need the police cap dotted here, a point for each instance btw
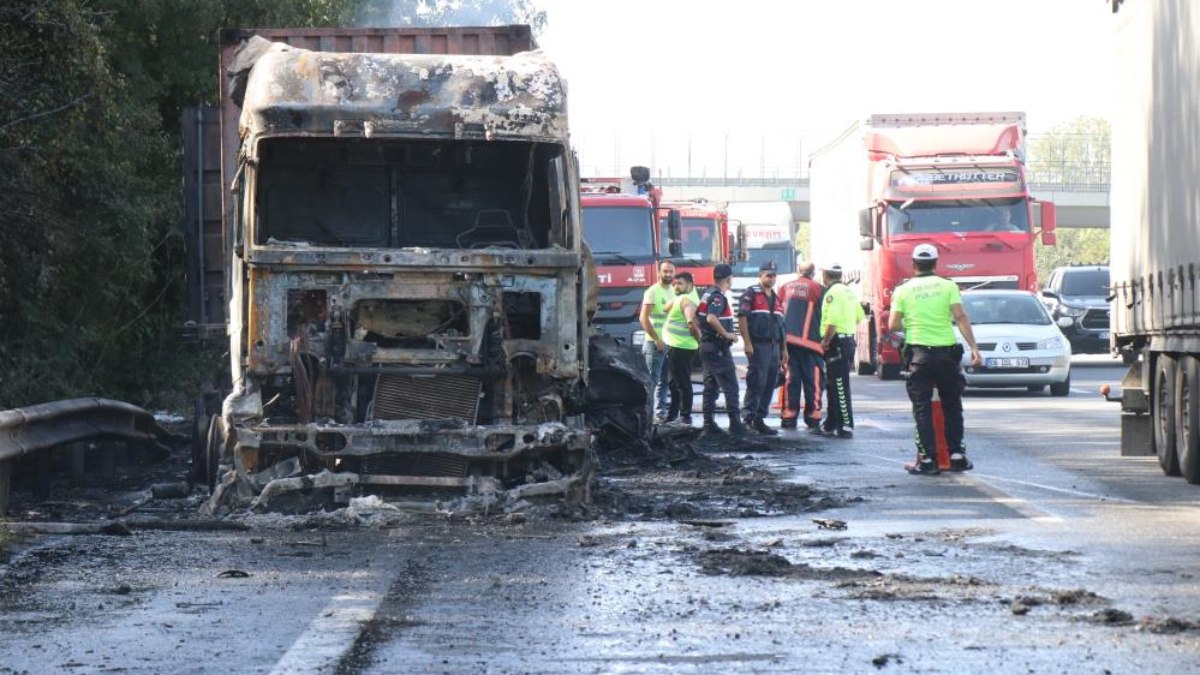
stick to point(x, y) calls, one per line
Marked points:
point(722, 271)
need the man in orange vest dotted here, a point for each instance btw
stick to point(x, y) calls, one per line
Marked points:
point(806, 361)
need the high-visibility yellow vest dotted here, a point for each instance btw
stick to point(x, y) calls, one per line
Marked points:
point(675, 331)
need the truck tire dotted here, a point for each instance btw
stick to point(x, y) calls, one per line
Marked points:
point(865, 368)
point(1162, 409)
point(1187, 417)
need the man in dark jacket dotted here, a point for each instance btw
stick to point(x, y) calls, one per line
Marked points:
point(760, 321)
point(715, 318)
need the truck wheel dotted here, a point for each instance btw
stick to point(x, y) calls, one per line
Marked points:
point(1187, 418)
point(865, 368)
point(1162, 406)
point(213, 447)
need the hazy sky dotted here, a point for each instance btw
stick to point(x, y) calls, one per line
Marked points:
point(779, 78)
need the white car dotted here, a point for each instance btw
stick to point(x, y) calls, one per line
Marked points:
point(1019, 344)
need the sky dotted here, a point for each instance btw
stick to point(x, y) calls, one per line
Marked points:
point(752, 86)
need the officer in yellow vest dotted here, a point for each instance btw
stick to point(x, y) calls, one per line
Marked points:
point(840, 314)
point(682, 336)
point(924, 307)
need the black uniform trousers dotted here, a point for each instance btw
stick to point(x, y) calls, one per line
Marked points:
point(762, 376)
point(838, 358)
point(936, 368)
point(679, 365)
point(806, 376)
point(720, 376)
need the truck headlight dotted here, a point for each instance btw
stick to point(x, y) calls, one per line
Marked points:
point(638, 338)
point(1051, 343)
point(1068, 310)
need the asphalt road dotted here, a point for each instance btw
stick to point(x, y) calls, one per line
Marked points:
point(1054, 555)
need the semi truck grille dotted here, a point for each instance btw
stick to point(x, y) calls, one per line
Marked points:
point(416, 464)
point(1095, 319)
point(426, 398)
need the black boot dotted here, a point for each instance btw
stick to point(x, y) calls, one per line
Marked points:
point(736, 428)
point(761, 427)
point(710, 428)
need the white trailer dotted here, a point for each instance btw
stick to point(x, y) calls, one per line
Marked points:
point(1155, 236)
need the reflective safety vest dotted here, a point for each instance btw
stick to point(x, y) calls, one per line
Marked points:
point(657, 297)
point(676, 332)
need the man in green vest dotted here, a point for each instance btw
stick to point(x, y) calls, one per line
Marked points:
point(682, 337)
point(654, 349)
point(924, 307)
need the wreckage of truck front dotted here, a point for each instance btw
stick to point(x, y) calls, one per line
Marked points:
point(409, 287)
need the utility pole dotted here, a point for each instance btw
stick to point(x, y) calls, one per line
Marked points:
point(726, 162)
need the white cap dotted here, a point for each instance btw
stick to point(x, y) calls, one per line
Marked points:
point(835, 268)
point(925, 252)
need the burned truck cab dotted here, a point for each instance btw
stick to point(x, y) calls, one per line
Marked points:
point(408, 296)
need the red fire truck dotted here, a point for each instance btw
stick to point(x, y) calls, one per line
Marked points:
point(956, 181)
point(621, 226)
point(704, 238)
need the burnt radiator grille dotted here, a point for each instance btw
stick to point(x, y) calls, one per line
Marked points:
point(426, 398)
point(416, 464)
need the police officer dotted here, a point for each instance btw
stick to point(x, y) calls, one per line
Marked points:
point(715, 318)
point(805, 359)
point(839, 319)
point(652, 316)
point(683, 342)
point(924, 306)
point(760, 322)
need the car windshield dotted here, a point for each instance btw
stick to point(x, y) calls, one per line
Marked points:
point(619, 230)
point(1021, 309)
point(958, 215)
point(1077, 283)
point(784, 258)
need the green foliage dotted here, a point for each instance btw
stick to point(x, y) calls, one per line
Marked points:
point(91, 260)
point(1074, 153)
point(1080, 246)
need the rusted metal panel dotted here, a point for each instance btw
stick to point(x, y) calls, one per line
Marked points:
point(47, 425)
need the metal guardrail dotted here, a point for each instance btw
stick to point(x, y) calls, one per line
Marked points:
point(24, 431)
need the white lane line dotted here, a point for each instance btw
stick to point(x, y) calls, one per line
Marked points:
point(330, 636)
point(1075, 390)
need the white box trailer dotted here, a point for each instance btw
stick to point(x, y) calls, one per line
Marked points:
point(1155, 236)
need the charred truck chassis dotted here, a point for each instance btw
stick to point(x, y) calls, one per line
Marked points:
point(408, 283)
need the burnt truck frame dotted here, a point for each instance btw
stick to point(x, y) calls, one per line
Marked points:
point(409, 290)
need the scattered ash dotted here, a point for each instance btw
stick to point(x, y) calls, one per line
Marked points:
point(748, 562)
point(1169, 625)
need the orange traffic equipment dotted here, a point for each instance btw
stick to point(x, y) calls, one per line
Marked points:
point(939, 434)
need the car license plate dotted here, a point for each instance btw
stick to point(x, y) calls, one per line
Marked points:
point(1007, 363)
point(1104, 335)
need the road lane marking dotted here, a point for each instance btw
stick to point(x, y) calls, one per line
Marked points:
point(330, 636)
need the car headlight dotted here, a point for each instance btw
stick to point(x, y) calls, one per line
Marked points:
point(1068, 310)
point(638, 338)
point(1052, 343)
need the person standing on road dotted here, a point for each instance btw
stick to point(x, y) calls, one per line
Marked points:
point(924, 306)
point(715, 317)
point(683, 343)
point(805, 359)
point(839, 319)
point(652, 316)
point(760, 321)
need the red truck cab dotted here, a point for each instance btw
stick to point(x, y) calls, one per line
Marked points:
point(620, 225)
point(704, 235)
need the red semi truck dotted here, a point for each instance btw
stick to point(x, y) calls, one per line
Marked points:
point(621, 227)
point(956, 181)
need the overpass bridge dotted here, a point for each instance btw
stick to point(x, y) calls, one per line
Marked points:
point(1078, 204)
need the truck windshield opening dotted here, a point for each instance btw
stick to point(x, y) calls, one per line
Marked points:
point(784, 258)
point(626, 231)
point(404, 193)
point(958, 215)
point(698, 240)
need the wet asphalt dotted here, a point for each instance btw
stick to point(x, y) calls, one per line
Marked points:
point(1055, 555)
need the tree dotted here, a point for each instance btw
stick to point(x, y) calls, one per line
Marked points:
point(1076, 155)
point(451, 13)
